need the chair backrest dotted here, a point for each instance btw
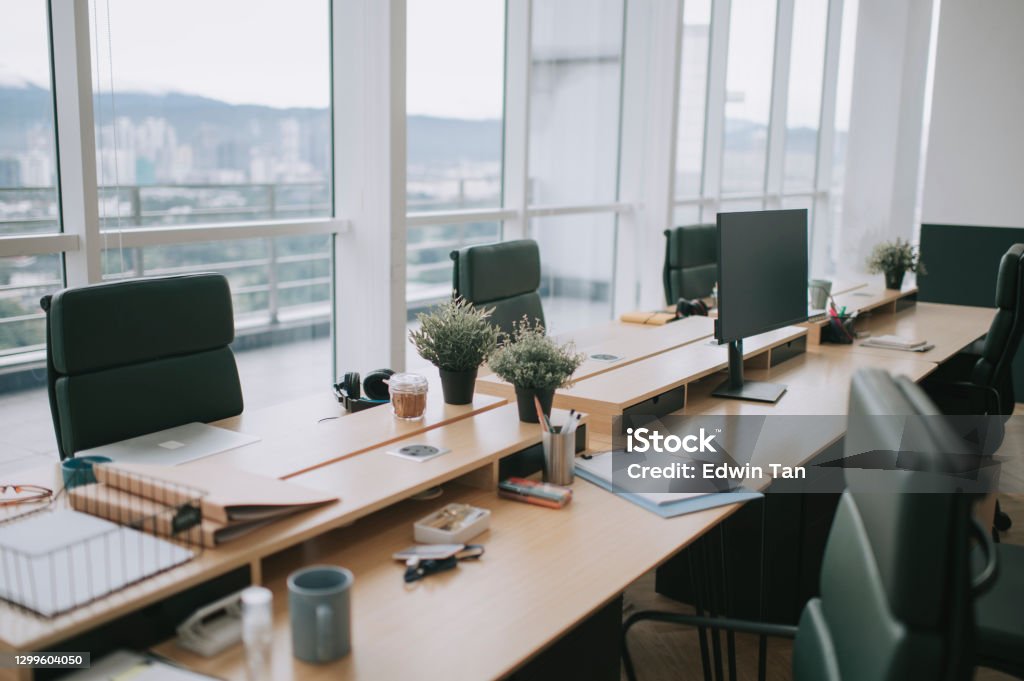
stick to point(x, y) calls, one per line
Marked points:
point(133, 357)
point(691, 262)
point(994, 368)
point(504, 276)
point(895, 583)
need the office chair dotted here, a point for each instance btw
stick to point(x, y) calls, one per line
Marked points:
point(896, 585)
point(691, 262)
point(133, 357)
point(504, 276)
point(980, 380)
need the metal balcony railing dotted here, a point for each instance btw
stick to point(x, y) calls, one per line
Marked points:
point(295, 300)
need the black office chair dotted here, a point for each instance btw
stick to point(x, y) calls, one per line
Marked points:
point(980, 379)
point(133, 357)
point(504, 276)
point(691, 262)
point(896, 584)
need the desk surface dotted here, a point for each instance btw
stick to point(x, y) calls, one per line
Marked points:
point(366, 483)
point(549, 580)
point(949, 327)
point(481, 620)
point(629, 342)
point(304, 434)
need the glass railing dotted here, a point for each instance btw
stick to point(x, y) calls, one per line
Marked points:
point(279, 282)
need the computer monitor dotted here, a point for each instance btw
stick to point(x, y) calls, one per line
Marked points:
point(762, 285)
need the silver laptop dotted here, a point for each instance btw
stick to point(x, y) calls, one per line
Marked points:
point(173, 446)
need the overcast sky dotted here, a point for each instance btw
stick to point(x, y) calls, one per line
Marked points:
point(276, 53)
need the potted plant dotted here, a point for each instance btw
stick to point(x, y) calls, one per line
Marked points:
point(536, 365)
point(456, 338)
point(894, 259)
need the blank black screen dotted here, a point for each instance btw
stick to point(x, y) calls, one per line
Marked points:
point(762, 272)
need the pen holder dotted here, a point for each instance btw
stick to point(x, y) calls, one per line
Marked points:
point(838, 330)
point(559, 456)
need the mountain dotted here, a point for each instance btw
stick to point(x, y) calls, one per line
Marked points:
point(201, 121)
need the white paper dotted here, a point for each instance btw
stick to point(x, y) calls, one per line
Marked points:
point(53, 561)
point(173, 446)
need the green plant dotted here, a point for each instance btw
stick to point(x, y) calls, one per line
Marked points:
point(530, 359)
point(455, 336)
point(895, 257)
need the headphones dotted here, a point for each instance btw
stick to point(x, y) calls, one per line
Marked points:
point(691, 308)
point(374, 387)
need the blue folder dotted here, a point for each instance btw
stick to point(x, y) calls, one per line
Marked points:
point(674, 508)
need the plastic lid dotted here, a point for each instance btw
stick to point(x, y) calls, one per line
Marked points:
point(407, 383)
point(255, 597)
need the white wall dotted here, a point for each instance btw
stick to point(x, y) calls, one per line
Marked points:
point(975, 162)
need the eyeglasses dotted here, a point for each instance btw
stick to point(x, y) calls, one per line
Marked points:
point(31, 492)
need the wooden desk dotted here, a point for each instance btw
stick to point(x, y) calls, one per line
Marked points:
point(630, 342)
point(545, 571)
point(365, 483)
point(549, 581)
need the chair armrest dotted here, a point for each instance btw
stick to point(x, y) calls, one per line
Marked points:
point(969, 397)
point(726, 623)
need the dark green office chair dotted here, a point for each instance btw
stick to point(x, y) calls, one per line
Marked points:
point(504, 276)
point(133, 357)
point(691, 262)
point(979, 380)
point(896, 584)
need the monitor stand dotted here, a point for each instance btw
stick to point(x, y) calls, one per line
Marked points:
point(737, 389)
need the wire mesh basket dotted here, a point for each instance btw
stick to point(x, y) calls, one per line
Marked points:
point(107, 530)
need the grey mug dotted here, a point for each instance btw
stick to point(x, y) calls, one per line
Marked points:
point(320, 610)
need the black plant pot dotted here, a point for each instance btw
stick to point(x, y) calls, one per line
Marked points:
point(458, 386)
point(527, 409)
point(894, 280)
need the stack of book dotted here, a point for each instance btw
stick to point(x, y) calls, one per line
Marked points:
point(232, 502)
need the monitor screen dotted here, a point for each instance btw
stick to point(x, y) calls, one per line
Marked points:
point(762, 272)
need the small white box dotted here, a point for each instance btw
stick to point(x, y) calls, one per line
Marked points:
point(453, 524)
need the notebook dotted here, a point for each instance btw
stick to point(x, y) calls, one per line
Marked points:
point(173, 446)
point(892, 342)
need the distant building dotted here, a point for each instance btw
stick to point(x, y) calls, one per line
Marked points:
point(10, 172)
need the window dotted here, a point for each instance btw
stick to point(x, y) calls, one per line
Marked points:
point(281, 294)
point(693, 79)
point(577, 255)
point(28, 160)
point(748, 95)
point(576, 59)
point(803, 109)
point(454, 94)
point(235, 128)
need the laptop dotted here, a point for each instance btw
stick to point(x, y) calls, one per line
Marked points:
point(173, 446)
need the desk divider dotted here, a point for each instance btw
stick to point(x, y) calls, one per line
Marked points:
point(285, 453)
point(661, 380)
point(629, 342)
